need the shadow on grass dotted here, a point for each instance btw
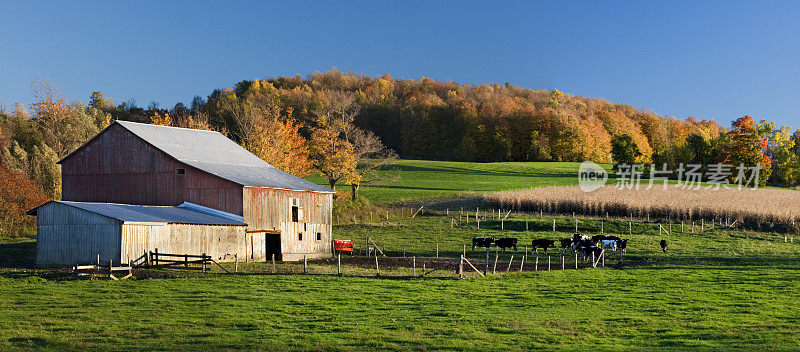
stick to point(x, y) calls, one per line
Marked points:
point(18, 255)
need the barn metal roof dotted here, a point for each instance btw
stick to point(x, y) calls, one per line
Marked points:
point(186, 213)
point(216, 154)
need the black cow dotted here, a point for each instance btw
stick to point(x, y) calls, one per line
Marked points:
point(482, 242)
point(664, 246)
point(541, 243)
point(586, 252)
point(622, 245)
point(598, 238)
point(566, 243)
point(506, 242)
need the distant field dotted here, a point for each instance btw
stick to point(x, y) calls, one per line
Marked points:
point(421, 179)
point(742, 205)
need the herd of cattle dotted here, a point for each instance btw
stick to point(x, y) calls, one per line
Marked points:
point(582, 244)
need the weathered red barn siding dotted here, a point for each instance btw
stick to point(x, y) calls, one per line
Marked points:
point(119, 167)
point(271, 209)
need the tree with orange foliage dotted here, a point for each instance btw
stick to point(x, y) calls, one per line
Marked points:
point(746, 148)
point(18, 194)
point(161, 119)
point(277, 140)
point(333, 156)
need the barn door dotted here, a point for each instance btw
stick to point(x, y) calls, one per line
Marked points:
point(272, 245)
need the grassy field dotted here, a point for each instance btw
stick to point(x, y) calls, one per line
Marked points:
point(719, 289)
point(421, 179)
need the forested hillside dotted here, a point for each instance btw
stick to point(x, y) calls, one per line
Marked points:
point(345, 126)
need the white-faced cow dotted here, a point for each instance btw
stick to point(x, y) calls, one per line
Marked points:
point(579, 240)
point(541, 243)
point(482, 242)
point(506, 242)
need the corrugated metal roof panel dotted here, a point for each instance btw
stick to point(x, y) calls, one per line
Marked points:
point(214, 153)
point(186, 213)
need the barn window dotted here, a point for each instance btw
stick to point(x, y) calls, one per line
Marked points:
point(181, 171)
point(295, 209)
point(319, 236)
point(299, 236)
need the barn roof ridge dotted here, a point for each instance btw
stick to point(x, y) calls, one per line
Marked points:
point(186, 213)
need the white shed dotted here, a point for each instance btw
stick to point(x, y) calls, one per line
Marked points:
point(77, 232)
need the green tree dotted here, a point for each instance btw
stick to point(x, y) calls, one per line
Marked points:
point(624, 150)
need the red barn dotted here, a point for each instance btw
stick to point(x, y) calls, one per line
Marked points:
point(142, 164)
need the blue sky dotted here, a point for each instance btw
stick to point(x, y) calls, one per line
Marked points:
point(712, 60)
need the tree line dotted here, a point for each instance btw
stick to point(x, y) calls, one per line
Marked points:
point(346, 126)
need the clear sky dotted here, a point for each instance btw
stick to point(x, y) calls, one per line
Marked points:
point(712, 60)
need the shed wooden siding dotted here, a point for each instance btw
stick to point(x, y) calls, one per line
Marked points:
point(270, 209)
point(219, 242)
point(68, 235)
point(119, 167)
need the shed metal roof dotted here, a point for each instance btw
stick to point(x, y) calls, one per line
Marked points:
point(216, 154)
point(186, 213)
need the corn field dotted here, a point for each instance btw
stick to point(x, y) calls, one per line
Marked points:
point(751, 206)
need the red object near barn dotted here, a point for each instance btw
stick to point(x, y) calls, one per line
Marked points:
point(343, 246)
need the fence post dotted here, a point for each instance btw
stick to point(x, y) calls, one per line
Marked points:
point(495, 262)
point(576, 223)
point(509, 263)
point(629, 228)
point(526, 225)
point(414, 265)
point(273, 263)
point(554, 225)
point(521, 263)
point(562, 261)
point(339, 264)
point(437, 249)
point(236, 263)
point(460, 269)
point(486, 267)
point(535, 265)
point(305, 263)
point(548, 262)
point(377, 269)
point(185, 260)
point(404, 249)
point(576, 260)
point(593, 264)
point(204, 262)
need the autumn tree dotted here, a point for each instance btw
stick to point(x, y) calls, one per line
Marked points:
point(746, 147)
point(276, 139)
point(332, 155)
point(18, 194)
